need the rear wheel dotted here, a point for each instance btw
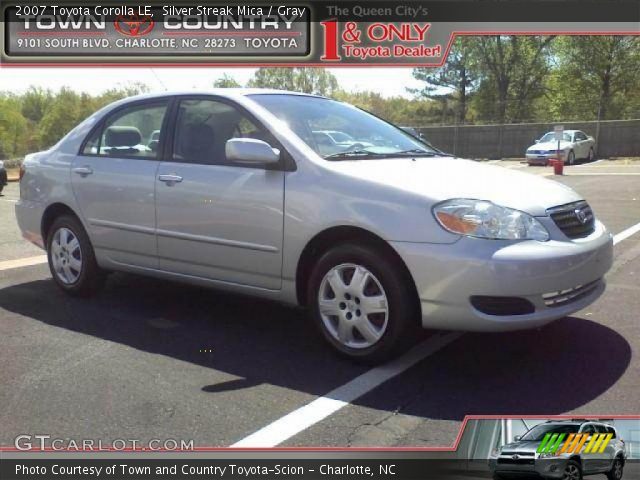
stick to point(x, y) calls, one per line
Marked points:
point(71, 258)
point(617, 470)
point(362, 303)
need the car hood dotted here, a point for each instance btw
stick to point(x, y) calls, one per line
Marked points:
point(443, 178)
point(522, 446)
point(549, 146)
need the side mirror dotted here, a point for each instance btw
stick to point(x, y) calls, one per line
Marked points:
point(517, 438)
point(537, 140)
point(250, 151)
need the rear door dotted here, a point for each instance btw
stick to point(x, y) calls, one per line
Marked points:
point(218, 220)
point(582, 145)
point(114, 182)
point(589, 461)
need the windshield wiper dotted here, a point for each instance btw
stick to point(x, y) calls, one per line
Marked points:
point(419, 151)
point(357, 153)
point(353, 153)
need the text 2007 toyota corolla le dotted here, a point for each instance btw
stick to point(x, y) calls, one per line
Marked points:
point(373, 230)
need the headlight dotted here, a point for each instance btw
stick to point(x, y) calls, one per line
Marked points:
point(1, 164)
point(483, 219)
point(547, 455)
point(496, 452)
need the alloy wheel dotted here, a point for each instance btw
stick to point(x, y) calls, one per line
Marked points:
point(572, 472)
point(66, 256)
point(353, 306)
point(617, 470)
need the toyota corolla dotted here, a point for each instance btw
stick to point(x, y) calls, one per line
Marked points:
point(231, 189)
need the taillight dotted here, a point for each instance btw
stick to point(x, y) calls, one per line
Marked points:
point(22, 171)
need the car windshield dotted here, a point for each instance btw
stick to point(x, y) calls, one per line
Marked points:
point(338, 131)
point(551, 137)
point(537, 433)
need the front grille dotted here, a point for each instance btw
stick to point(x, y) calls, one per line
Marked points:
point(563, 297)
point(502, 306)
point(576, 220)
point(516, 461)
point(521, 454)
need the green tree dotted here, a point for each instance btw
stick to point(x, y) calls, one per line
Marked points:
point(226, 81)
point(512, 70)
point(35, 102)
point(13, 128)
point(60, 117)
point(451, 84)
point(596, 77)
point(306, 80)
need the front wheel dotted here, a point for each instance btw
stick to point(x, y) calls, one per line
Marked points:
point(571, 158)
point(71, 258)
point(572, 471)
point(362, 303)
point(592, 155)
point(616, 470)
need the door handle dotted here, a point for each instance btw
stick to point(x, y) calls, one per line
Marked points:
point(170, 180)
point(83, 171)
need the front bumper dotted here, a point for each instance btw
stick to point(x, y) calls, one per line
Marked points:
point(552, 467)
point(447, 276)
point(543, 158)
point(3, 177)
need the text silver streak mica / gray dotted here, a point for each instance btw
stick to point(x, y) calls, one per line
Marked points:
point(242, 190)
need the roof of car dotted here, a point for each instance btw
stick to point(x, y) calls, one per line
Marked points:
point(223, 92)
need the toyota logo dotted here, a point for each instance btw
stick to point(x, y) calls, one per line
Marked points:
point(515, 457)
point(581, 215)
point(134, 25)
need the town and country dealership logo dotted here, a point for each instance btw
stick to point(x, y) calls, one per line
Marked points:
point(574, 443)
point(134, 25)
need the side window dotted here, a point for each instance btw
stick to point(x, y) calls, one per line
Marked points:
point(588, 429)
point(131, 132)
point(580, 136)
point(601, 429)
point(203, 128)
point(612, 431)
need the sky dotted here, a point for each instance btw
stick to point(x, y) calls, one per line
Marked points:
point(388, 82)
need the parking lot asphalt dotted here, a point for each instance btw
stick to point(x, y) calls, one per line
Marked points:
point(148, 359)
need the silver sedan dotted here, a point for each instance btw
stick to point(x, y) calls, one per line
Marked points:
point(232, 189)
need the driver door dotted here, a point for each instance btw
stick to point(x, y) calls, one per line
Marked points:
point(218, 220)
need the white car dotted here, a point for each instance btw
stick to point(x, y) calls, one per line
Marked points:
point(575, 144)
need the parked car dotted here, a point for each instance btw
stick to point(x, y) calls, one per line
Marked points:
point(375, 241)
point(3, 176)
point(523, 456)
point(574, 145)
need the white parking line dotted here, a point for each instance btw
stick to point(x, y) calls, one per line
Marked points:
point(23, 262)
point(626, 233)
point(319, 409)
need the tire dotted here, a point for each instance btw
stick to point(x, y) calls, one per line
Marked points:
point(592, 156)
point(72, 261)
point(1, 188)
point(572, 471)
point(571, 158)
point(384, 291)
point(617, 470)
